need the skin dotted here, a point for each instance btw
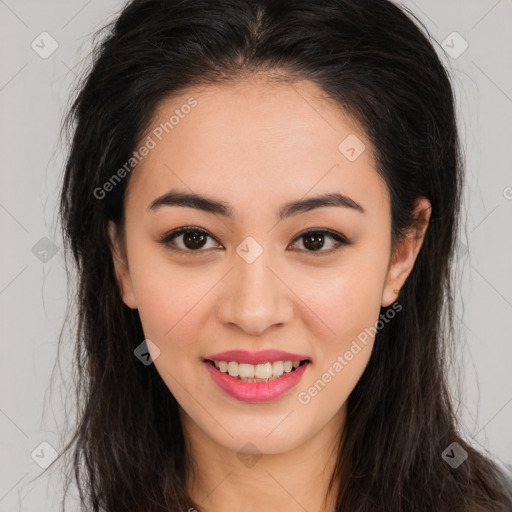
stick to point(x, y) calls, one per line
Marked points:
point(256, 145)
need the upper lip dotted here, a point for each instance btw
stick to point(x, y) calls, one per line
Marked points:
point(263, 356)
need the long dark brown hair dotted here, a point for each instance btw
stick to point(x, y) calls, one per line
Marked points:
point(379, 64)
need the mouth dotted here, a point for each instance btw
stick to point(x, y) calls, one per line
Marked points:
point(256, 383)
point(262, 372)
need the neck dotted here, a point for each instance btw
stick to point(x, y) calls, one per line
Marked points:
point(291, 481)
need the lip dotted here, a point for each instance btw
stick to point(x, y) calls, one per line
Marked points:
point(255, 392)
point(263, 356)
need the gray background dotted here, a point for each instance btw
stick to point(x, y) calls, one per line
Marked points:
point(34, 92)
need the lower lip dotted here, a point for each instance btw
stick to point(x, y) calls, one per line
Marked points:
point(255, 392)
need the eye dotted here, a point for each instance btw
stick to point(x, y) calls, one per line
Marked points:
point(314, 240)
point(192, 239)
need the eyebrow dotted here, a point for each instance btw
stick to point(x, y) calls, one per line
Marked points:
point(199, 202)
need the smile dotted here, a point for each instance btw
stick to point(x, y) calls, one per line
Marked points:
point(263, 372)
point(256, 383)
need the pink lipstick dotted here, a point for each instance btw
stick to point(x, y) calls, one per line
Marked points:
point(263, 390)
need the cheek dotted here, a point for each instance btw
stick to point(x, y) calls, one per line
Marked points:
point(342, 302)
point(349, 306)
point(169, 306)
point(167, 296)
point(346, 303)
point(170, 312)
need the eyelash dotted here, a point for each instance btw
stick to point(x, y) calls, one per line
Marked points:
point(340, 239)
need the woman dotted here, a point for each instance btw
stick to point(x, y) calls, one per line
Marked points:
point(262, 200)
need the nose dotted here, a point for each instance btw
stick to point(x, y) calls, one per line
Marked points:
point(255, 297)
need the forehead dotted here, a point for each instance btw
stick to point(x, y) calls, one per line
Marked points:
point(255, 138)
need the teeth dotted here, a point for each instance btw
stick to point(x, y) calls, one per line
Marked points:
point(246, 370)
point(233, 369)
point(277, 368)
point(262, 371)
point(253, 372)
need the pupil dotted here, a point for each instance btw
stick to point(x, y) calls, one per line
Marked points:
point(317, 241)
point(193, 239)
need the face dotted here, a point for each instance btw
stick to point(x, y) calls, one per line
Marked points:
point(255, 272)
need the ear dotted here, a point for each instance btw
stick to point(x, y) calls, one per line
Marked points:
point(404, 256)
point(121, 267)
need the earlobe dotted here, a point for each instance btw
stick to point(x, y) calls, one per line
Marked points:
point(406, 252)
point(121, 268)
